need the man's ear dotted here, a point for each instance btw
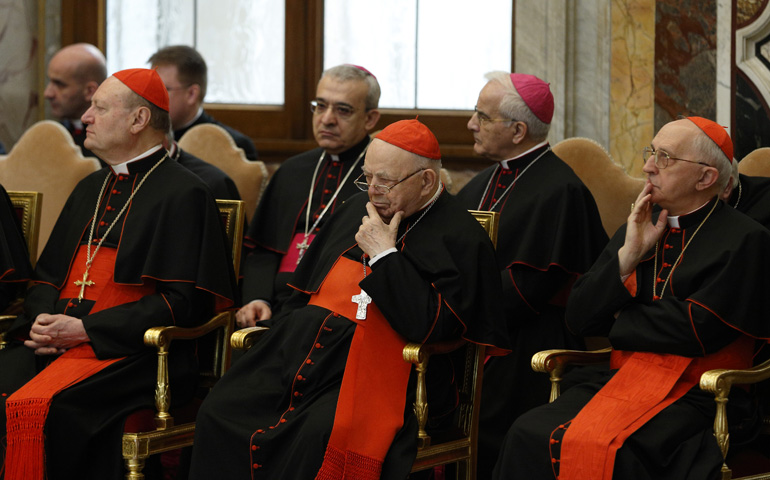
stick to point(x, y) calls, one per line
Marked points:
point(193, 95)
point(141, 119)
point(372, 117)
point(708, 177)
point(520, 132)
point(429, 178)
point(89, 89)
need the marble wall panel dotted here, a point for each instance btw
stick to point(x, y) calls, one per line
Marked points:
point(685, 59)
point(19, 49)
point(632, 80)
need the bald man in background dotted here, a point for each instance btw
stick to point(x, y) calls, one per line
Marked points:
point(74, 74)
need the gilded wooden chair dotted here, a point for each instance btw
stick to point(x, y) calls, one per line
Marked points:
point(28, 206)
point(46, 160)
point(459, 446)
point(164, 432)
point(213, 144)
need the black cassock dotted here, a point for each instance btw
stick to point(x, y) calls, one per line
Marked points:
point(752, 197)
point(221, 185)
point(171, 234)
point(15, 269)
point(550, 233)
point(718, 290)
point(272, 413)
point(281, 213)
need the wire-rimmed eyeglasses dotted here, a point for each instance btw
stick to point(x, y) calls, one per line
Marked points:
point(662, 159)
point(485, 119)
point(340, 109)
point(382, 189)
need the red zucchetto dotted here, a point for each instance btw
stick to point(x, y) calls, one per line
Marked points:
point(147, 84)
point(717, 133)
point(412, 136)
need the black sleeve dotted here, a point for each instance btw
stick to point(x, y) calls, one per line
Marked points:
point(410, 303)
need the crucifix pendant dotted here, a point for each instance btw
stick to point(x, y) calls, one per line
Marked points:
point(83, 284)
point(362, 299)
point(302, 247)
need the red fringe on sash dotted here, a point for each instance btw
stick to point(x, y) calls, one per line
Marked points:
point(27, 409)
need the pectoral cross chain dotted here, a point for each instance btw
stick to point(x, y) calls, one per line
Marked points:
point(85, 282)
point(362, 299)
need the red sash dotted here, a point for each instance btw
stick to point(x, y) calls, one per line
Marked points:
point(27, 409)
point(645, 384)
point(370, 408)
point(290, 260)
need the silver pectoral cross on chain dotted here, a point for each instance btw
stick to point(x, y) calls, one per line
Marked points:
point(362, 299)
point(302, 247)
point(85, 282)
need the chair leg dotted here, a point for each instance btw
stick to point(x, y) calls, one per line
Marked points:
point(135, 467)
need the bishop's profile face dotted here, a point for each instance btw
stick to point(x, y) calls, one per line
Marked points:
point(491, 139)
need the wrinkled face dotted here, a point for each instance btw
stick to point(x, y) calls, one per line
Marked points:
point(674, 185)
point(182, 99)
point(492, 140)
point(334, 130)
point(386, 164)
point(68, 96)
point(108, 120)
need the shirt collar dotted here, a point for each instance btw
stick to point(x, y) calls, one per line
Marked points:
point(540, 145)
point(122, 168)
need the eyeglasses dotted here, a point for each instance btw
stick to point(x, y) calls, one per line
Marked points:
point(485, 119)
point(382, 189)
point(662, 159)
point(340, 110)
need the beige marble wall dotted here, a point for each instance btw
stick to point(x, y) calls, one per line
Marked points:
point(632, 105)
point(19, 48)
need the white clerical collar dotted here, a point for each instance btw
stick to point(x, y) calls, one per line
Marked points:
point(335, 157)
point(673, 221)
point(435, 196)
point(122, 168)
point(504, 163)
point(194, 119)
point(76, 123)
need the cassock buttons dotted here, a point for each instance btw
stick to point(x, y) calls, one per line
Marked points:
point(256, 466)
point(115, 191)
point(254, 447)
point(283, 420)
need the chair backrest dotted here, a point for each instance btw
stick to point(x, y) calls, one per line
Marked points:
point(233, 213)
point(612, 188)
point(28, 206)
point(214, 145)
point(756, 163)
point(46, 160)
point(469, 387)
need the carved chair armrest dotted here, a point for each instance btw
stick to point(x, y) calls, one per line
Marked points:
point(555, 362)
point(719, 382)
point(161, 338)
point(419, 354)
point(5, 324)
point(245, 338)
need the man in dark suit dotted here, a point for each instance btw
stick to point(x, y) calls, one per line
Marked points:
point(184, 72)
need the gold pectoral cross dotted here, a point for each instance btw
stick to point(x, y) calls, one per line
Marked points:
point(83, 284)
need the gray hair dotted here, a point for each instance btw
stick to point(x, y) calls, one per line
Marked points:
point(709, 152)
point(513, 106)
point(347, 72)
